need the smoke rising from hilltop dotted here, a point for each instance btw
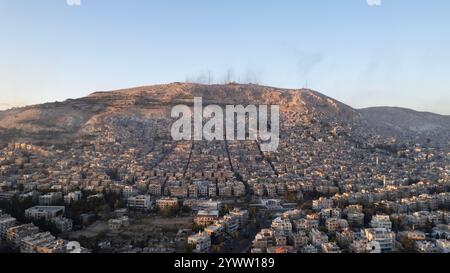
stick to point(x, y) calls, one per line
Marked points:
point(228, 76)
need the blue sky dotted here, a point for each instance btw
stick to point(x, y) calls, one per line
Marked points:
point(395, 54)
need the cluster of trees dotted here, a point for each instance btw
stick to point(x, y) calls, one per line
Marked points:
point(16, 207)
point(100, 206)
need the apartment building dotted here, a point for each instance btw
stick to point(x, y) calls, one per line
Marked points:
point(140, 202)
point(6, 222)
point(17, 233)
point(167, 203)
point(44, 212)
point(282, 225)
point(381, 221)
point(50, 198)
point(30, 243)
point(383, 236)
point(63, 224)
point(206, 217)
point(201, 242)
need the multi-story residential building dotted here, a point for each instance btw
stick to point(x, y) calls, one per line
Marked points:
point(167, 203)
point(56, 246)
point(443, 246)
point(239, 189)
point(206, 217)
point(263, 239)
point(282, 225)
point(6, 221)
point(298, 239)
point(242, 216)
point(50, 198)
point(317, 238)
point(332, 224)
point(231, 223)
point(345, 237)
point(383, 236)
point(17, 233)
point(63, 224)
point(281, 249)
point(193, 191)
point(140, 202)
point(212, 190)
point(155, 189)
point(209, 205)
point(355, 219)
point(118, 223)
point(426, 247)
point(364, 246)
point(381, 221)
point(215, 229)
point(30, 243)
point(73, 197)
point(322, 203)
point(330, 248)
point(44, 212)
point(201, 242)
point(202, 187)
point(309, 249)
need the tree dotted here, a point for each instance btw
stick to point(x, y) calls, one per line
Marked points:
point(408, 245)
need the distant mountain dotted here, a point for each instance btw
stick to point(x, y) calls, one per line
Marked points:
point(407, 124)
point(4, 106)
point(142, 107)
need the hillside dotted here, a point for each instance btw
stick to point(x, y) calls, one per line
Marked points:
point(143, 106)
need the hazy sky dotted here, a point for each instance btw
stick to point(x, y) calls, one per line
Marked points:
point(389, 52)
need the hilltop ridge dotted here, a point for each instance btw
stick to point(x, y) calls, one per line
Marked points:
point(73, 118)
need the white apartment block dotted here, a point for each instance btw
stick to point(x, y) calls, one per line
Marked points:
point(63, 224)
point(50, 198)
point(118, 223)
point(381, 221)
point(317, 238)
point(167, 202)
point(44, 212)
point(141, 202)
point(30, 243)
point(17, 233)
point(443, 246)
point(6, 221)
point(201, 242)
point(383, 236)
point(73, 197)
point(322, 203)
point(282, 225)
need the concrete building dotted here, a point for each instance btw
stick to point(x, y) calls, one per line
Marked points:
point(282, 225)
point(6, 221)
point(381, 221)
point(119, 223)
point(231, 223)
point(167, 203)
point(50, 198)
point(443, 246)
point(330, 248)
point(201, 242)
point(29, 244)
point(63, 224)
point(141, 202)
point(44, 212)
point(73, 197)
point(242, 216)
point(17, 233)
point(206, 217)
point(383, 236)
